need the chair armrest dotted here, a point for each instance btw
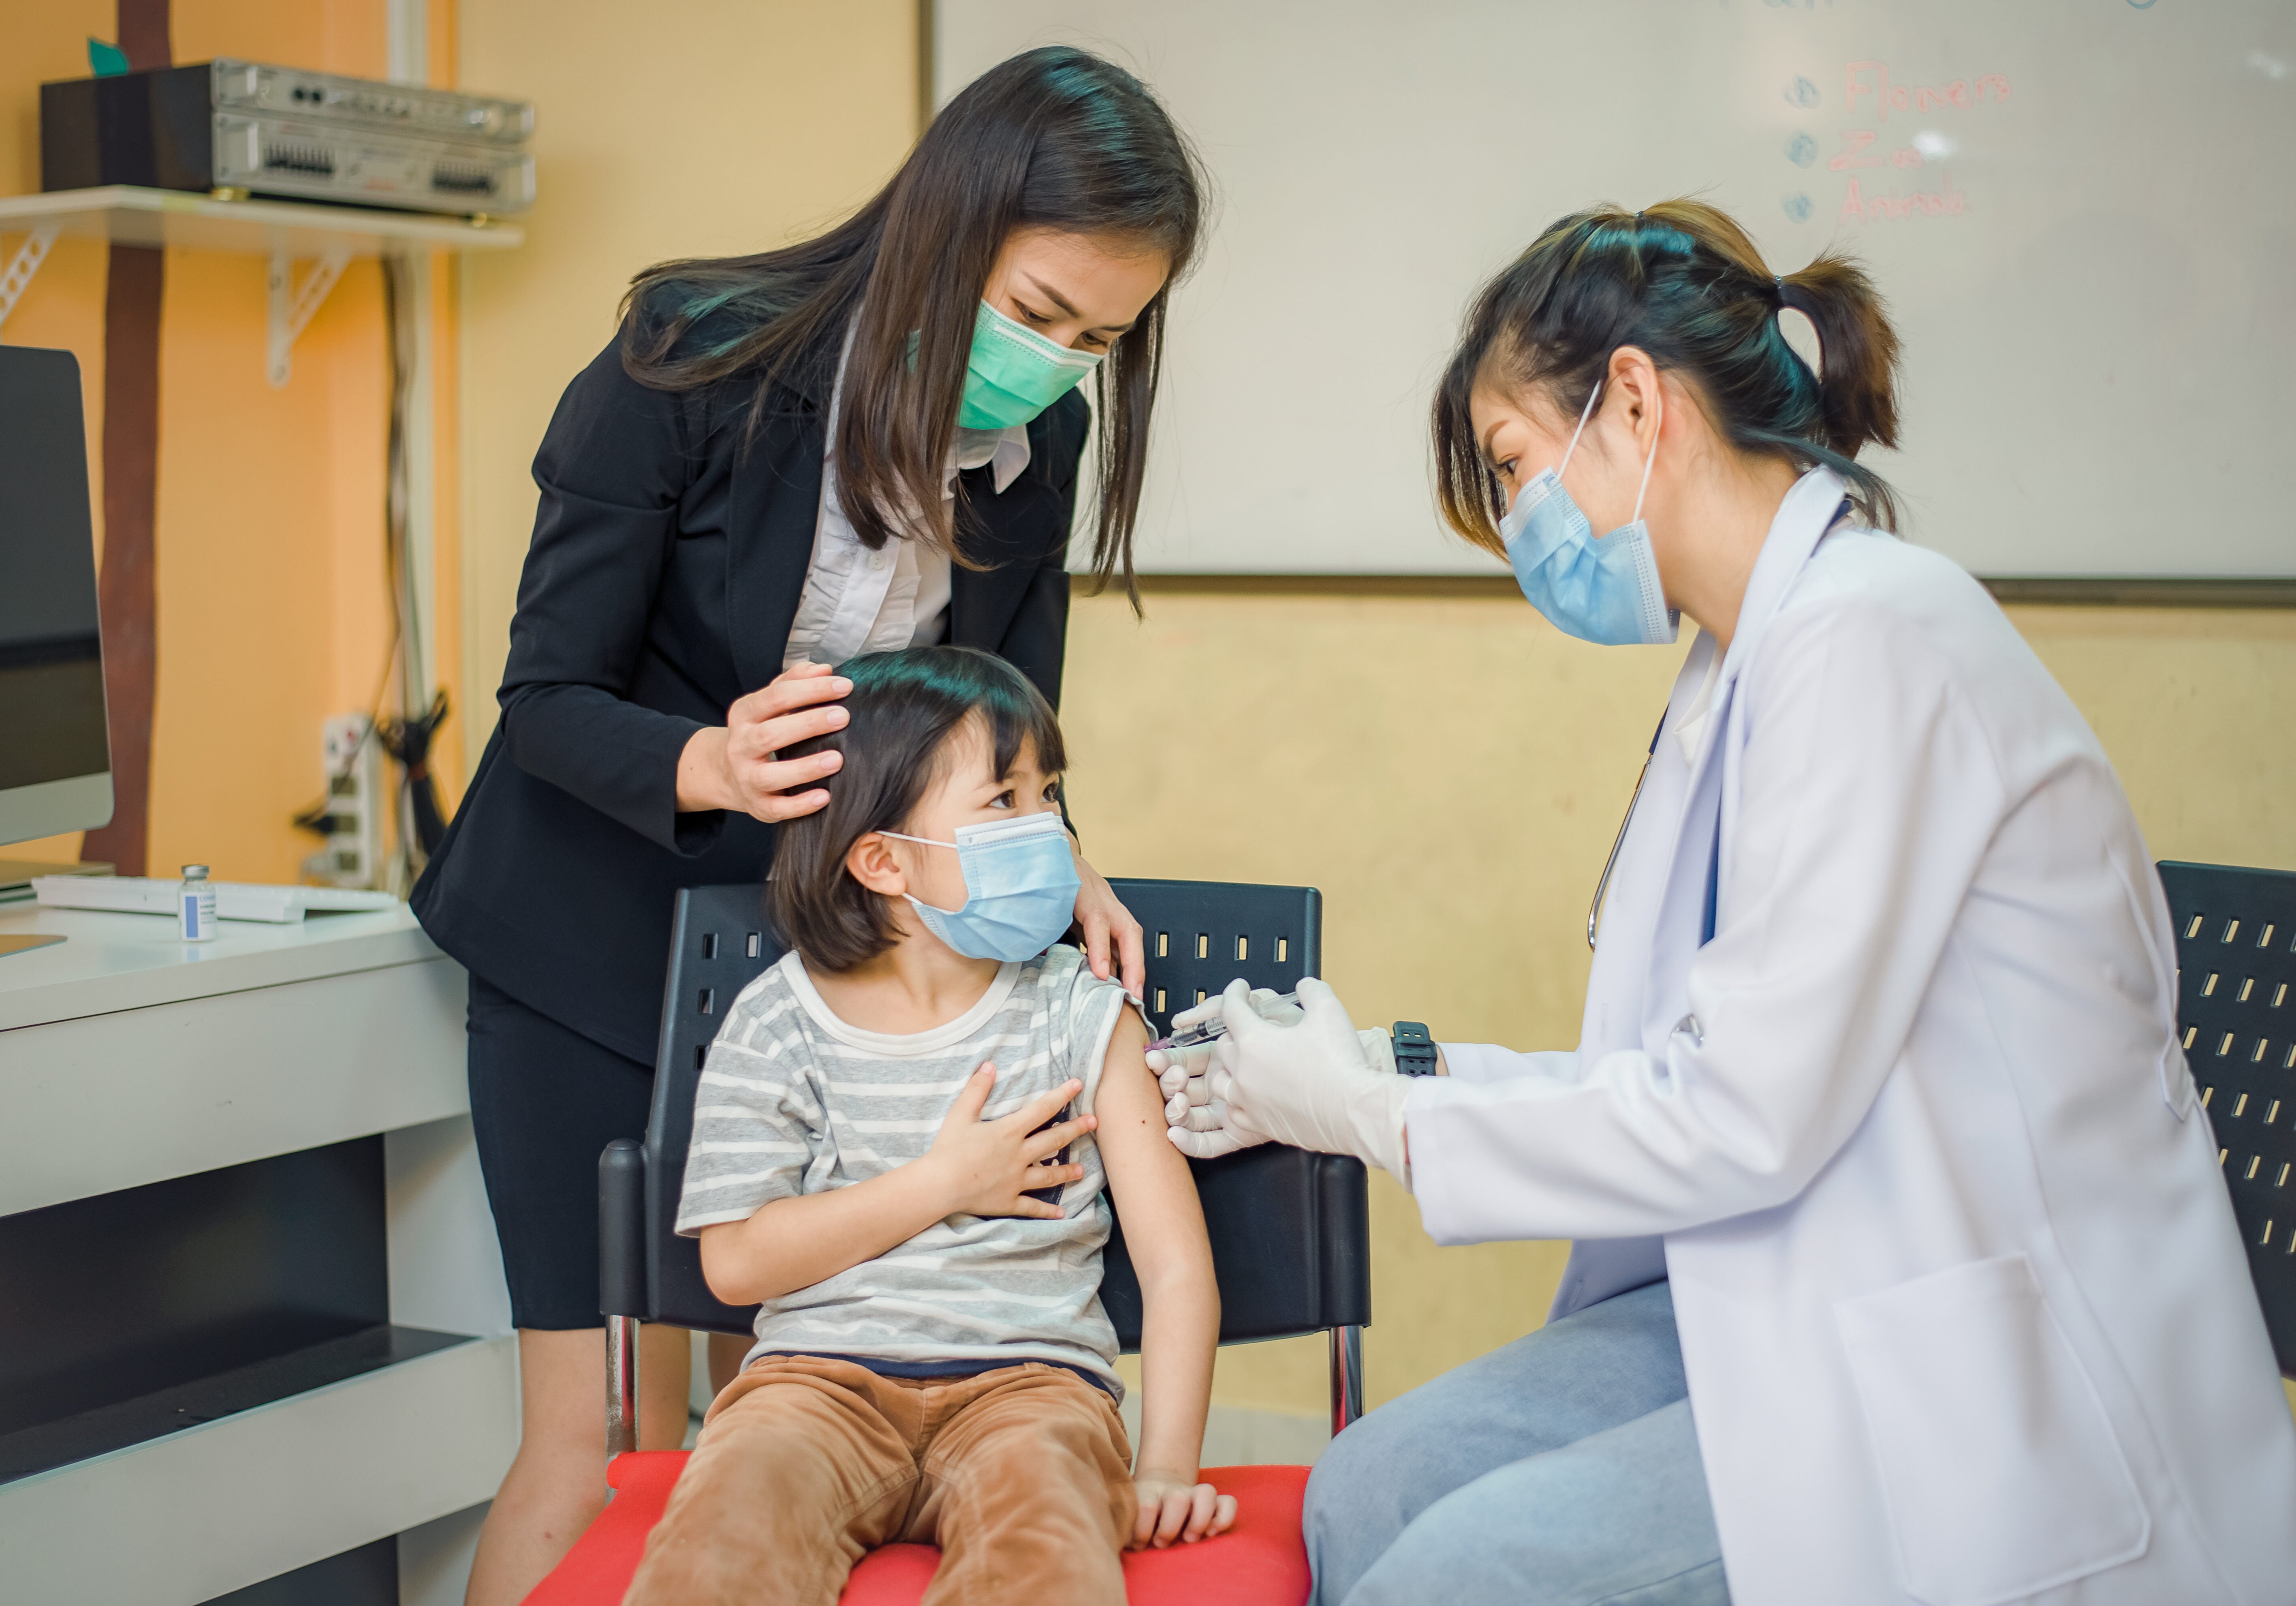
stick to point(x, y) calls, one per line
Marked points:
point(621, 1229)
point(1291, 1239)
point(1343, 1200)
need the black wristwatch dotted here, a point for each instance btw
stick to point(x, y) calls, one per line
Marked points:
point(1414, 1050)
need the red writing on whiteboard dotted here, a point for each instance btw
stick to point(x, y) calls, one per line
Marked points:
point(1871, 79)
point(1946, 202)
point(1857, 151)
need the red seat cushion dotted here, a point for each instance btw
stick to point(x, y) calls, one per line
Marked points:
point(1259, 1561)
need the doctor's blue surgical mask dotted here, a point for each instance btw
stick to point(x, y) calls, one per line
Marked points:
point(1605, 590)
point(1021, 888)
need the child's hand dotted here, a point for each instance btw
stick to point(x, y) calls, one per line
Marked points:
point(1174, 1507)
point(988, 1166)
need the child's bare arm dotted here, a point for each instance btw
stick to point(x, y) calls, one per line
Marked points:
point(1164, 1230)
point(977, 1168)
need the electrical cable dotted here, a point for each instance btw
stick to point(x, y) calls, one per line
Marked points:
point(421, 822)
point(408, 741)
point(408, 738)
point(319, 818)
point(411, 851)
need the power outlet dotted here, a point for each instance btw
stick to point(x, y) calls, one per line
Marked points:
point(353, 856)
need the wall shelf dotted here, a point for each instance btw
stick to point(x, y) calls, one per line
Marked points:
point(128, 215)
point(280, 230)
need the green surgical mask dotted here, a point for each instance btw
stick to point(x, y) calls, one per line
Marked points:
point(1014, 373)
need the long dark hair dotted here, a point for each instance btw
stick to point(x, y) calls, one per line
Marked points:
point(1055, 138)
point(905, 707)
point(1682, 282)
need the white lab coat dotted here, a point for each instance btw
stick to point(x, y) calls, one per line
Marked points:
point(1964, 1310)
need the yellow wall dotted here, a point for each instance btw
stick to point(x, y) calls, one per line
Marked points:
point(272, 606)
point(1451, 771)
point(712, 128)
point(63, 309)
point(1447, 768)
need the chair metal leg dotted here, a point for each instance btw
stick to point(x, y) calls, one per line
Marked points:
point(621, 1385)
point(1347, 1376)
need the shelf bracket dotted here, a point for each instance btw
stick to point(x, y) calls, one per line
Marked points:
point(27, 262)
point(292, 305)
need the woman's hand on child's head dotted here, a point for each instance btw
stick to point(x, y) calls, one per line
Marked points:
point(798, 704)
point(989, 1167)
point(1173, 1507)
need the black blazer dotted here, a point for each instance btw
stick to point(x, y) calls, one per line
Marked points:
point(664, 571)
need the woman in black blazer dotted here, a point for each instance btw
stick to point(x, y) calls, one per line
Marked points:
point(682, 542)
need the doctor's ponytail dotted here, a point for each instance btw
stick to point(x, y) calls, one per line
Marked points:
point(1681, 282)
point(1858, 351)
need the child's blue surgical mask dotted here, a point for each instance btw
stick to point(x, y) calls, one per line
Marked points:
point(1605, 591)
point(1021, 888)
point(1013, 372)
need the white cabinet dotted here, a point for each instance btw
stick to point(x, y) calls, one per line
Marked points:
point(256, 1150)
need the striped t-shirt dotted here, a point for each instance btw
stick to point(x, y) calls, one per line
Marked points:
point(795, 1100)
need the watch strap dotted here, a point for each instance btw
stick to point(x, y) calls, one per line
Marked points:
point(1415, 1049)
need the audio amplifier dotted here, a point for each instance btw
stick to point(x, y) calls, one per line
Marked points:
point(236, 125)
point(256, 89)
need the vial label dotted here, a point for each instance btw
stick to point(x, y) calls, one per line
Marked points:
point(198, 917)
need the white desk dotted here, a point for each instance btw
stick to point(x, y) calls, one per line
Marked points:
point(128, 1058)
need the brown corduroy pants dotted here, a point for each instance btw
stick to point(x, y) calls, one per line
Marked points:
point(1020, 1475)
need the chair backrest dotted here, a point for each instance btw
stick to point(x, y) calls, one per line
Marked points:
point(2237, 1005)
point(1289, 1230)
point(719, 943)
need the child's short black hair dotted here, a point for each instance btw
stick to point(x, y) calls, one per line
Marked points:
point(904, 708)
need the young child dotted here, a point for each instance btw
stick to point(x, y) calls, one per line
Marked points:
point(900, 1143)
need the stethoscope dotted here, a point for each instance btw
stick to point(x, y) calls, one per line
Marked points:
point(1713, 858)
point(1594, 910)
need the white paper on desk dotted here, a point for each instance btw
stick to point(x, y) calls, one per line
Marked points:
point(234, 900)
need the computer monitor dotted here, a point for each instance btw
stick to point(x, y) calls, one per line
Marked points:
point(55, 752)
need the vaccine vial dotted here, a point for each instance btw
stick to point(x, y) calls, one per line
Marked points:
point(195, 905)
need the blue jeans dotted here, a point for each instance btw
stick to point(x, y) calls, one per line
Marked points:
point(1560, 1471)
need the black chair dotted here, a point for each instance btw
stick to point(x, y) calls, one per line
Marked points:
point(2236, 1003)
point(1289, 1230)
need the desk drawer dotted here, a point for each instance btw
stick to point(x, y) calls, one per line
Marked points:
point(110, 1102)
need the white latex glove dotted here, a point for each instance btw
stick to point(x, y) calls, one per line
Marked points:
point(1311, 1085)
point(1201, 1126)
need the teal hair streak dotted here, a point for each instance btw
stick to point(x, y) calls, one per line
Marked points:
point(963, 682)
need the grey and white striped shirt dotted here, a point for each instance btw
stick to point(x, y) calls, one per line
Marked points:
point(795, 1100)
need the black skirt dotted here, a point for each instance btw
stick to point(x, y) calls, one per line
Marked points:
point(546, 1100)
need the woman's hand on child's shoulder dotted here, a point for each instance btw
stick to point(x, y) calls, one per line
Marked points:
point(1173, 1507)
point(988, 1168)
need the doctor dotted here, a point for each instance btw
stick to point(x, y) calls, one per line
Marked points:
point(1904, 1270)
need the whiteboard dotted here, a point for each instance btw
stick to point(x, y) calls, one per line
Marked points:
point(2080, 210)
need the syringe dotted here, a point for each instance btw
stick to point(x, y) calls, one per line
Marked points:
point(1205, 1031)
